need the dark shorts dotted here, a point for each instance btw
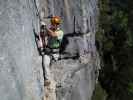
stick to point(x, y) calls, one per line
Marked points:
point(51, 51)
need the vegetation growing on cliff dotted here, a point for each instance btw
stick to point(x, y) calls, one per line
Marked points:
point(115, 44)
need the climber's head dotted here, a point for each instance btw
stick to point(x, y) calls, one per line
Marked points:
point(55, 21)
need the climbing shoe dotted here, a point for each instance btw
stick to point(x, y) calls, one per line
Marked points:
point(47, 82)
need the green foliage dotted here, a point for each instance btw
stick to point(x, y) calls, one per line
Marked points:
point(99, 93)
point(129, 41)
point(116, 48)
point(108, 45)
point(130, 88)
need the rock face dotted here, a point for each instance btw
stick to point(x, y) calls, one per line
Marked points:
point(74, 78)
point(21, 73)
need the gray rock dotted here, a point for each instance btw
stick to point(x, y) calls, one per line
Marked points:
point(21, 73)
point(75, 79)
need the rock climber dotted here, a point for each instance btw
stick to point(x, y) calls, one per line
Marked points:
point(50, 44)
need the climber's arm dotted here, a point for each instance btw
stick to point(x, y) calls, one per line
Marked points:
point(51, 33)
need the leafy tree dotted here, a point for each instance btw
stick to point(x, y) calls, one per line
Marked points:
point(116, 48)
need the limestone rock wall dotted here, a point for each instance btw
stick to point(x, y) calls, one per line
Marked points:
point(74, 78)
point(21, 73)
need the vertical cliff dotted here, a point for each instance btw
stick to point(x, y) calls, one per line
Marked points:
point(74, 79)
point(21, 74)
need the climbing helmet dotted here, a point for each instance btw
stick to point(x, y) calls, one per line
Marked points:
point(56, 20)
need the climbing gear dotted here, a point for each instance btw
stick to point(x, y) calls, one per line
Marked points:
point(56, 20)
point(41, 41)
point(49, 51)
point(42, 37)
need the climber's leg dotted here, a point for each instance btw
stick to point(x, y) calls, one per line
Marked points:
point(47, 67)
